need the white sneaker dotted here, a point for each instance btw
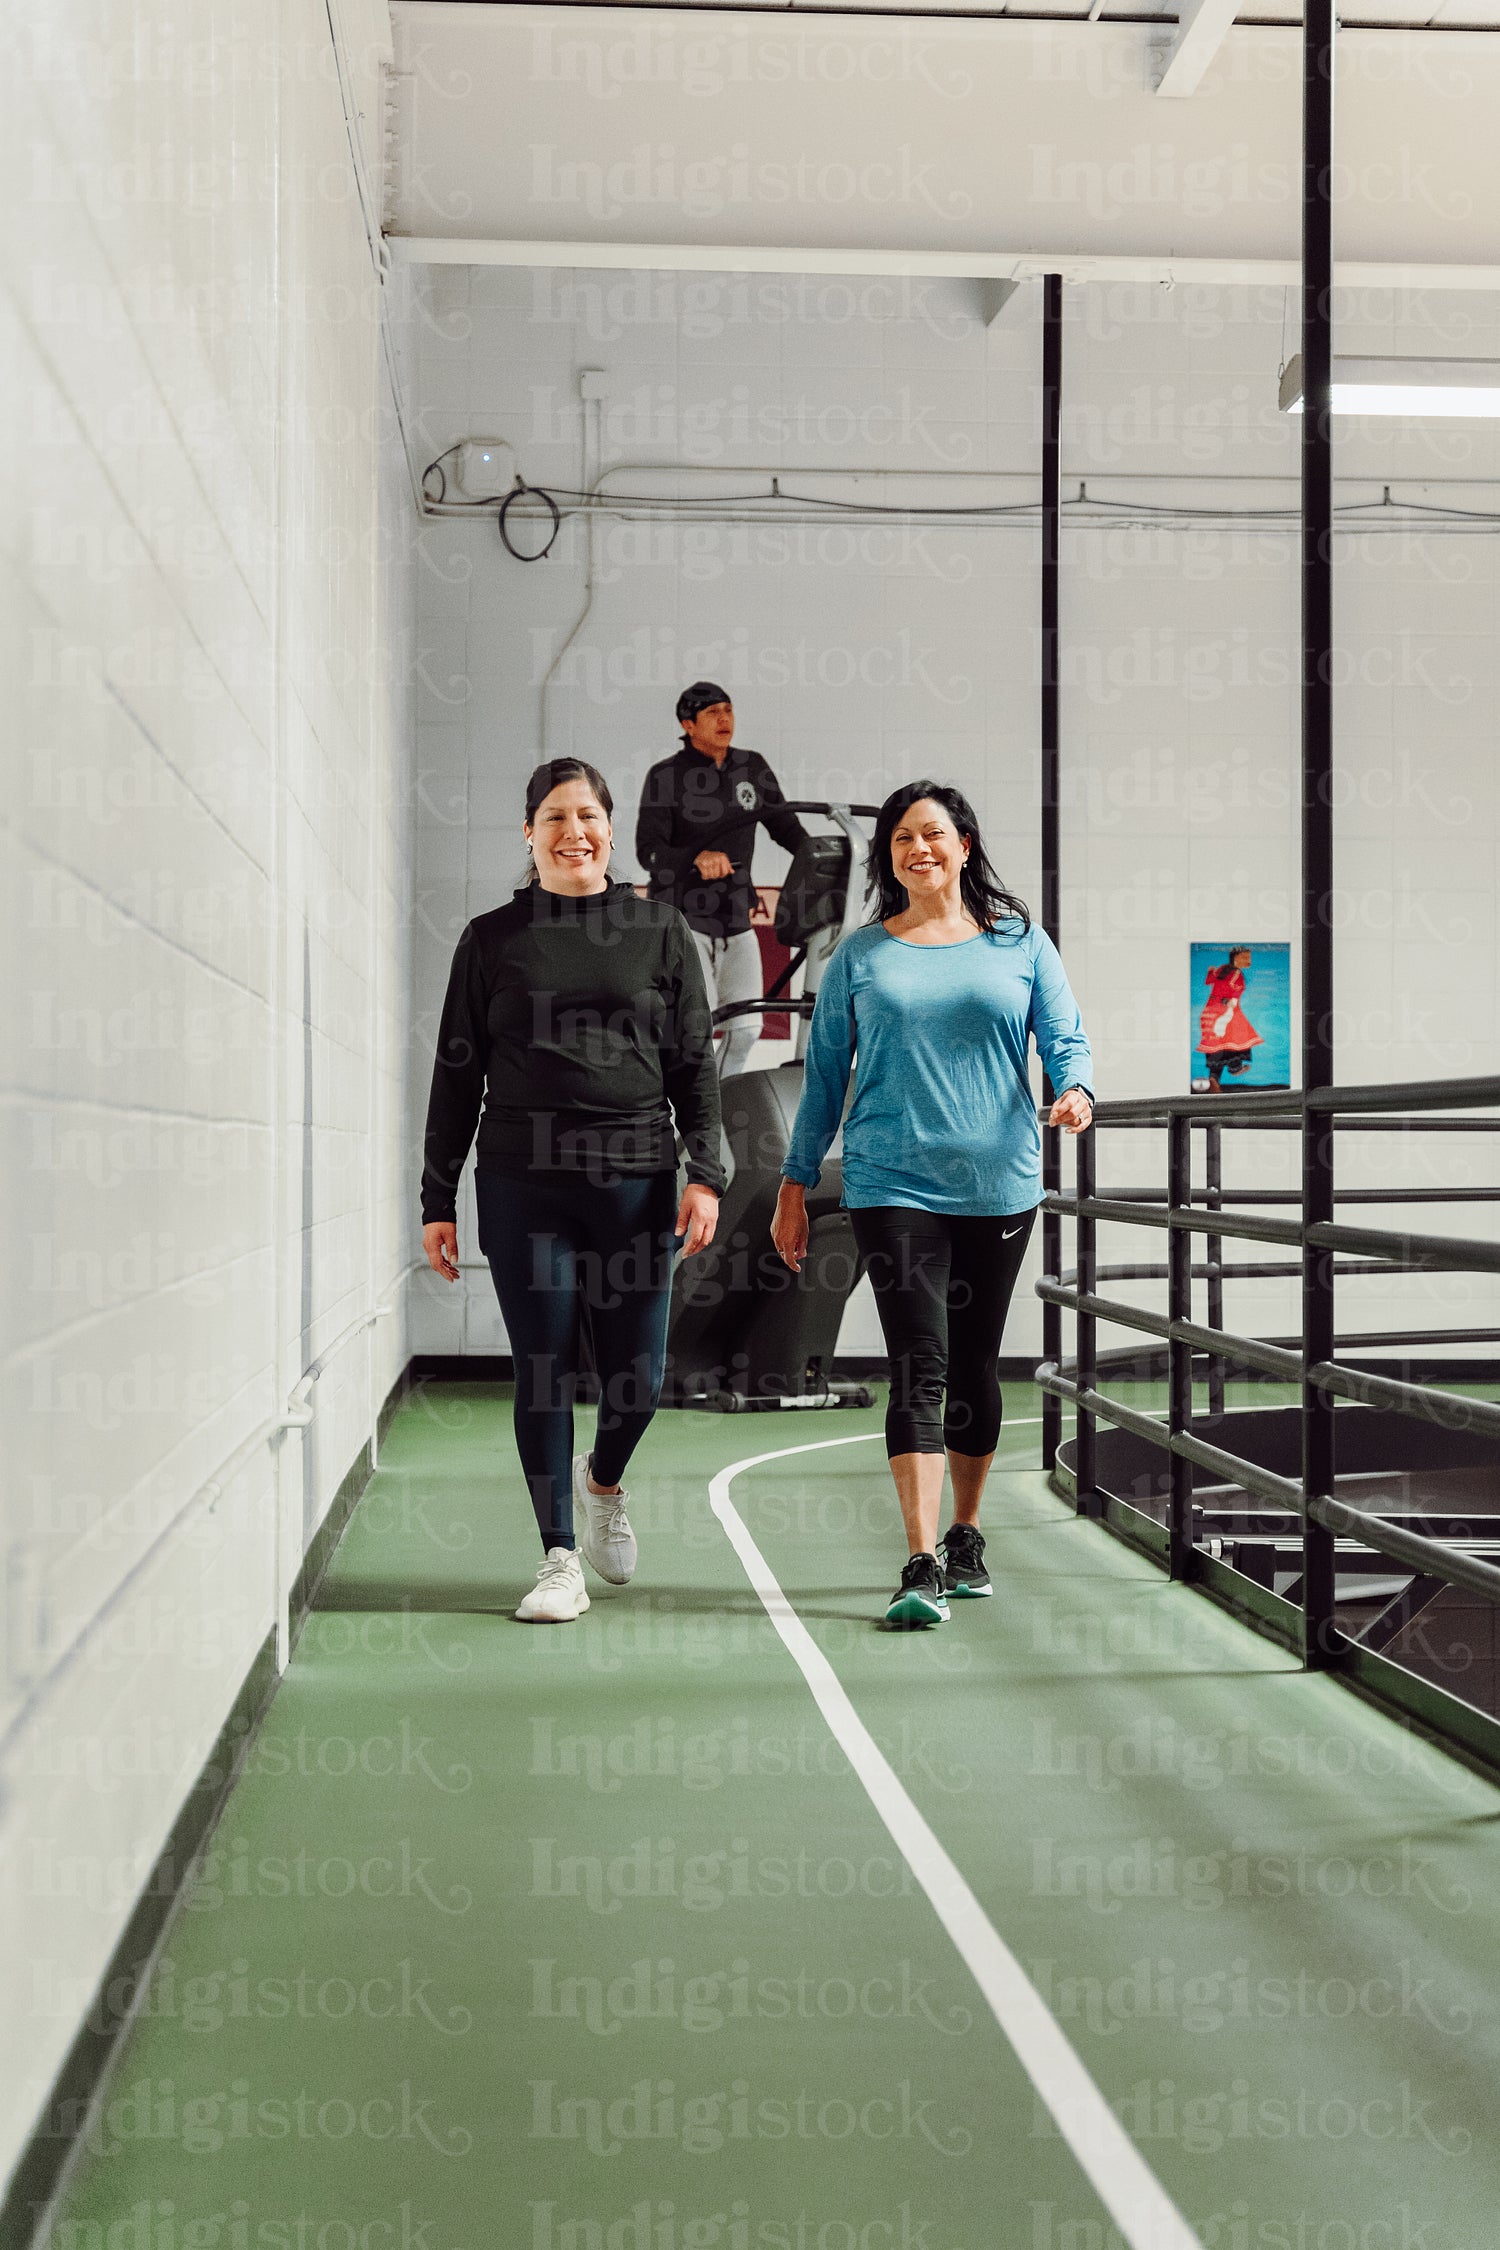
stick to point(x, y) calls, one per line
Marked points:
point(605, 1536)
point(559, 1594)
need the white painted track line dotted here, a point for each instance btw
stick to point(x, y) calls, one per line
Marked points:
point(1131, 2194)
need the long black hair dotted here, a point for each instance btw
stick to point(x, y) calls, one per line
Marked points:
point(545, 778)
point(983, 894)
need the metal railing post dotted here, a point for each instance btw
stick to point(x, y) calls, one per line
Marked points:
point(1179, 1352)
point(1244, 1498)
point(1213, 1180)
point(1051, 733)
point(1319, 1640)
point(1051, 1314)
point(1088, 1332)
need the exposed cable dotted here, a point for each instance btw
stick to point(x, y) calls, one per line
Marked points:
point(778, 497)
point(783, 505)
point(805, 508)
point(523, 491)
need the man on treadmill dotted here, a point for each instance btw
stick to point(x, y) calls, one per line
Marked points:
point(695, 836)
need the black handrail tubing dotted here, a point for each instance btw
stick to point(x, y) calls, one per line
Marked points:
point(1440, 1253)
point(1241, 1109)
point(1165, 1220)
point(1086, 1432)
point(1272, 1359)
point(1359, 1335)
point(1334, 1516)
point(1067, 1281)
point(1287, 1123)
point(1179, 1359)
point(1448, 1410)
point(1323, 1516)
point(1248, 1269)
point(1248, 1474)
point(1212, 1193)
point(1212, 1198)
point(1433, 1253)
point(1429, 1556)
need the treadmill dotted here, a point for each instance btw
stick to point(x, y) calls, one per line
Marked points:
point(746, 1334)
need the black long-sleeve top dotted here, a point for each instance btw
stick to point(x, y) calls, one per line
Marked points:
point(691, 805)
point(582, 1027)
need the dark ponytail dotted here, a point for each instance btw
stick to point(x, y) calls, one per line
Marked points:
point(983, 894)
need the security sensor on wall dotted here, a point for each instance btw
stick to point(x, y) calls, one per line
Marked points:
point(485, 468)
point(1455, 389)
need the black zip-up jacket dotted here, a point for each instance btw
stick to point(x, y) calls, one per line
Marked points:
point(582, 1026)
point(690, 805)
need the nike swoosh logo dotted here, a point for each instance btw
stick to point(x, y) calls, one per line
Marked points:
point(1012, 1234)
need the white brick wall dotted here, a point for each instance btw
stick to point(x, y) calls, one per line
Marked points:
point(219, 1025)
point(206, 867)
point(859, 654)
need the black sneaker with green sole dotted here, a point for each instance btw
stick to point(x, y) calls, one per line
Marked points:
point(919, 1599)
point(961, 1555)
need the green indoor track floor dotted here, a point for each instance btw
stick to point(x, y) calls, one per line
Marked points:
point(588, 1938)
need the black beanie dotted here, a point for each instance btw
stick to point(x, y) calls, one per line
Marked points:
point(698, 698)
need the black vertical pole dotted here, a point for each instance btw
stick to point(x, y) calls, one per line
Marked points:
point(1319, 1640)
point(1213, 1177)
point(1085, 1447)
point(1180, 1354)
point(1052, 301)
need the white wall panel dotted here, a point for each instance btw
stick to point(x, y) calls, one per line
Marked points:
point(859, 653)
point(207, 861)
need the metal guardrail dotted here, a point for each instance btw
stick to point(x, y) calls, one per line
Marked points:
point(1183, 1212)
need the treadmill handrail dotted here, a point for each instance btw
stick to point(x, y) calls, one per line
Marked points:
point(814, 805)
point(786, 1005)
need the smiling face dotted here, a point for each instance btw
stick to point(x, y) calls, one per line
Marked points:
point(712, 730)
point(927, 851)
point(570, 840)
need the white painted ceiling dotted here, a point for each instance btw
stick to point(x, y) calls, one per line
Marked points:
point(1448, 14)
point(813, 140)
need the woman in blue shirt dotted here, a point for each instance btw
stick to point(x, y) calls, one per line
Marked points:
point(940, 994)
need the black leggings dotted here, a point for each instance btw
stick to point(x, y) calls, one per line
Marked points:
point(554, 1246)
point(942, 1289)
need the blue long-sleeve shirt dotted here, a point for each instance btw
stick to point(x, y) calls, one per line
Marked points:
point(943, 1116)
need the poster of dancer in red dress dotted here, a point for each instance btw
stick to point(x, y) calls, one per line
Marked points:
point(1229, 1047)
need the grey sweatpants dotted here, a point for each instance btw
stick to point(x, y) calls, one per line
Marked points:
point(731, 970)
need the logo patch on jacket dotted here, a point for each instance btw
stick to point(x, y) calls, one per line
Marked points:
point(745, 793)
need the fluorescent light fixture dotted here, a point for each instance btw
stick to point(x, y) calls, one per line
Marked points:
point(1457, 389)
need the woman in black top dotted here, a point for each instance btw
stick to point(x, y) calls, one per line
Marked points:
point(577, 1017)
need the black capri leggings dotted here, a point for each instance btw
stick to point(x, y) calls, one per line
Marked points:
point(554, 1247)
point(942, 1288)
